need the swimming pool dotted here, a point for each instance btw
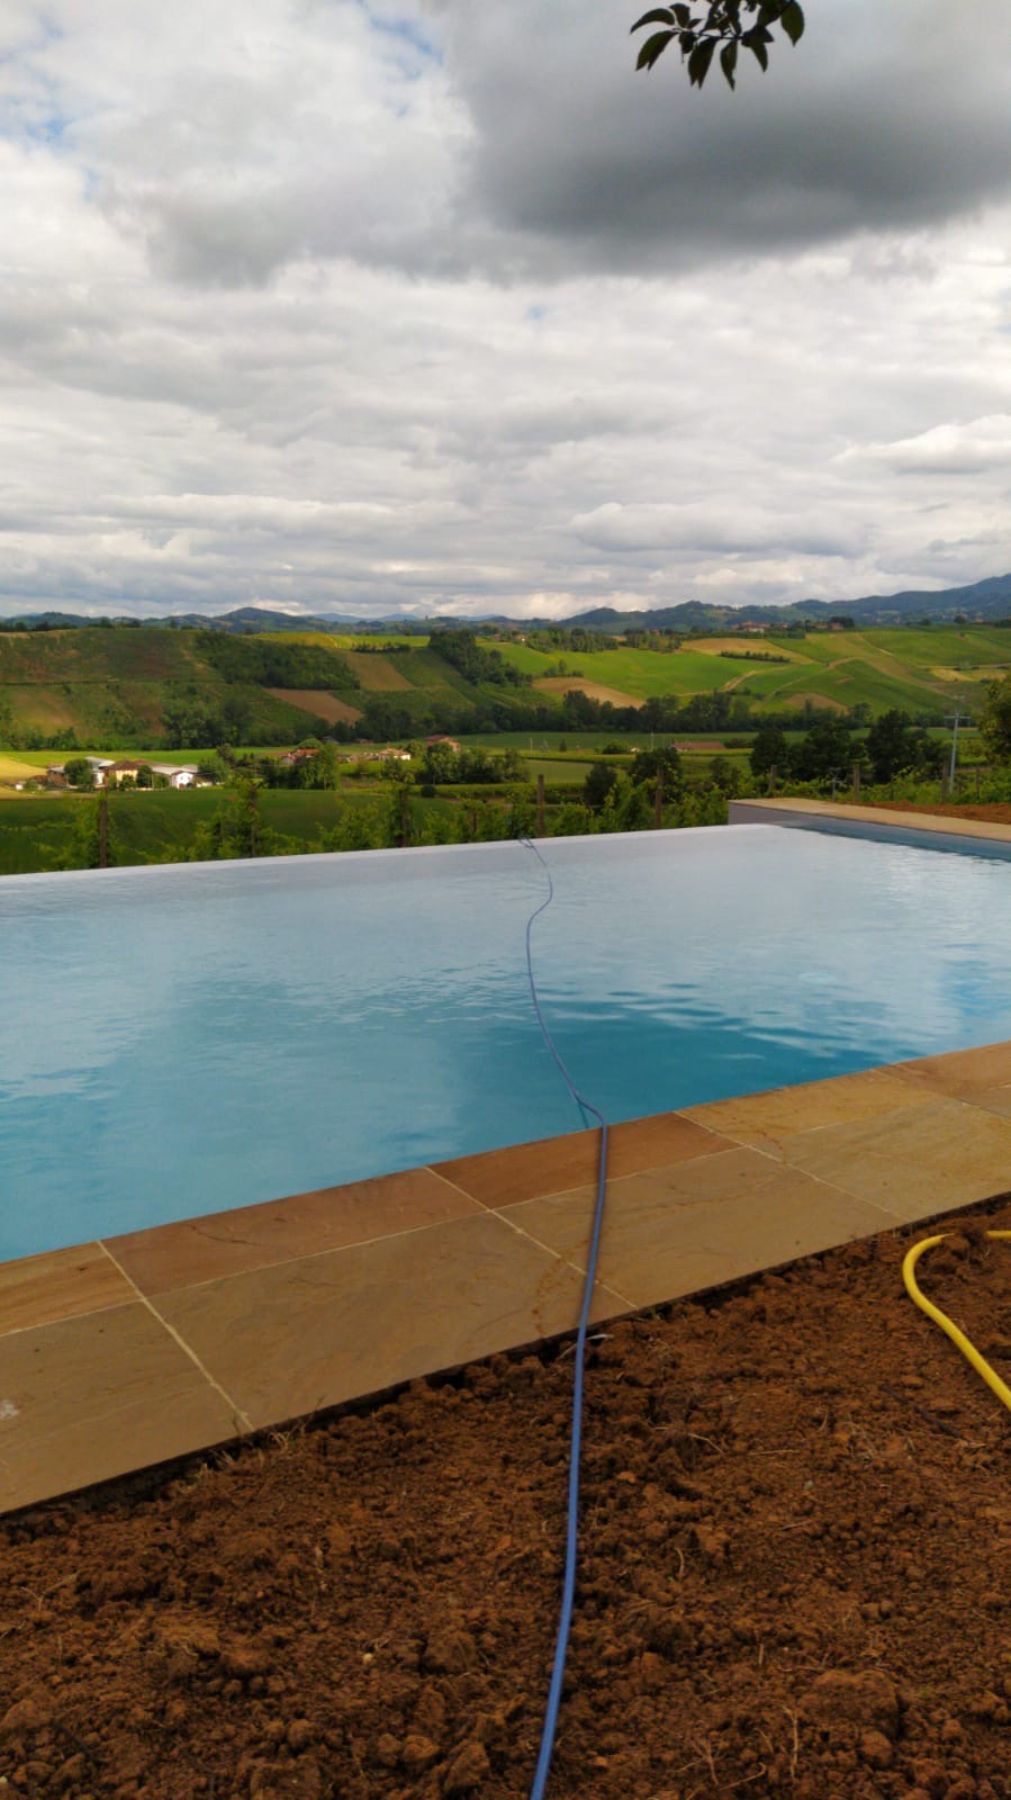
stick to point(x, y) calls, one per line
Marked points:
point(185, 1039)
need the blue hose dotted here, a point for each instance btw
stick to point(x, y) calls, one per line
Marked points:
point(550, 1726)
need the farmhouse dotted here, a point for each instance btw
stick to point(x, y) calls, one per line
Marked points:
point(448, 742)
point(393, 754)
point(178, 775)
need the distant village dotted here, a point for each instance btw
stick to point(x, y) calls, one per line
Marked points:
point(108, 772)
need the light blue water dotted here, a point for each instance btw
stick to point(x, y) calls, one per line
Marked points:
point(180, 1040)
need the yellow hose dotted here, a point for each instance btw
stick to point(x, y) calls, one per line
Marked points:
point(948, 1326)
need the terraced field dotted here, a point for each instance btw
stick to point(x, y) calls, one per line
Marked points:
point(640, 674)
point(119, 685)
point(920, 670)
point(123, 687)
point(318, 704)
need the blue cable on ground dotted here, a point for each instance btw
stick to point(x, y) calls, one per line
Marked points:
point(543, 1769)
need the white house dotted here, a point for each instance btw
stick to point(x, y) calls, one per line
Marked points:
point(178, 775)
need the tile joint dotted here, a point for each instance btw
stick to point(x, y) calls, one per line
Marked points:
point(236, 1411)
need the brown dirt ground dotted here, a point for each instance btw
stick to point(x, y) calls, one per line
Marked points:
point(797, 702)
point(796, 1530)
point(595, 690)
point(321, 705)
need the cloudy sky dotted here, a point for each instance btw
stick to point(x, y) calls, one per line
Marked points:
point(329, 305)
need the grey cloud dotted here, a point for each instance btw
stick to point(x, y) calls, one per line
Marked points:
point(873, 123)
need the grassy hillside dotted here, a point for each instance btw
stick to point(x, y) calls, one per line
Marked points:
point(123, 688)
point(917, 669)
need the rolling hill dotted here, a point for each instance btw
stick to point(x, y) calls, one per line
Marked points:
point(978, 602)
point(120, 687)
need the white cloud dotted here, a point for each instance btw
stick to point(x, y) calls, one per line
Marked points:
point(978, 446)
point(443, 309)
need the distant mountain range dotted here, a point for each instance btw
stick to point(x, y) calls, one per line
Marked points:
point(981, 601)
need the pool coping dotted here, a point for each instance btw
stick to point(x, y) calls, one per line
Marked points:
point(131, 1351)
point(873, 821)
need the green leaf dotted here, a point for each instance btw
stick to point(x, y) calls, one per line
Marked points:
point(699, 60)
point(660, 15)
point(683, 16)
point(728, 62)
point(653, 48)
point(757, 48)
point(792, 20)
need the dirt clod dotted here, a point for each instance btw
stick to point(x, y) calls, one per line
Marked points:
point(467, 1771)
point(865, 1697)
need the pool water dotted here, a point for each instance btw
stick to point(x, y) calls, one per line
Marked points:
point(185, 1039)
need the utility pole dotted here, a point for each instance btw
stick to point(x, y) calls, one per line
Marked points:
point(954, 753)
point(658, 802)
point(103, 830)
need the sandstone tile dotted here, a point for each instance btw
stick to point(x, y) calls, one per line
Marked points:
point(36, 1290)
point(97, 1396)
point(766, 1121)
point(254, 1237)
point(962, 1074)
point(502, 1178)
point(699, 1224)
point(304, 1335)
point(936, 1154)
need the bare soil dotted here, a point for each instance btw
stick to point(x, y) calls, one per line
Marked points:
point(796, 1532)
point(320, 704)
point(595, 690)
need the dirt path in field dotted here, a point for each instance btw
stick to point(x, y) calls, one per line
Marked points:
point(595, 690)
point(796, 1530)
point(320, 704)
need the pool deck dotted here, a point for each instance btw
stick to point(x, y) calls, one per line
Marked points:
point(877, 821)
point(130, 1351)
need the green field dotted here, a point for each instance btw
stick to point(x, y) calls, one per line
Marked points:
point(639, 674)
point(917, 669)
point(129, 689)
point(161, 826)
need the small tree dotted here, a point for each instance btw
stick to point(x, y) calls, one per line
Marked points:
point(659, 765)
point(769, 749)
point(826, 750)
point(893, 746)
point(441, 763)
point(995, 721)
point(725, 776)
point(79, 773)
point(599, 784)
